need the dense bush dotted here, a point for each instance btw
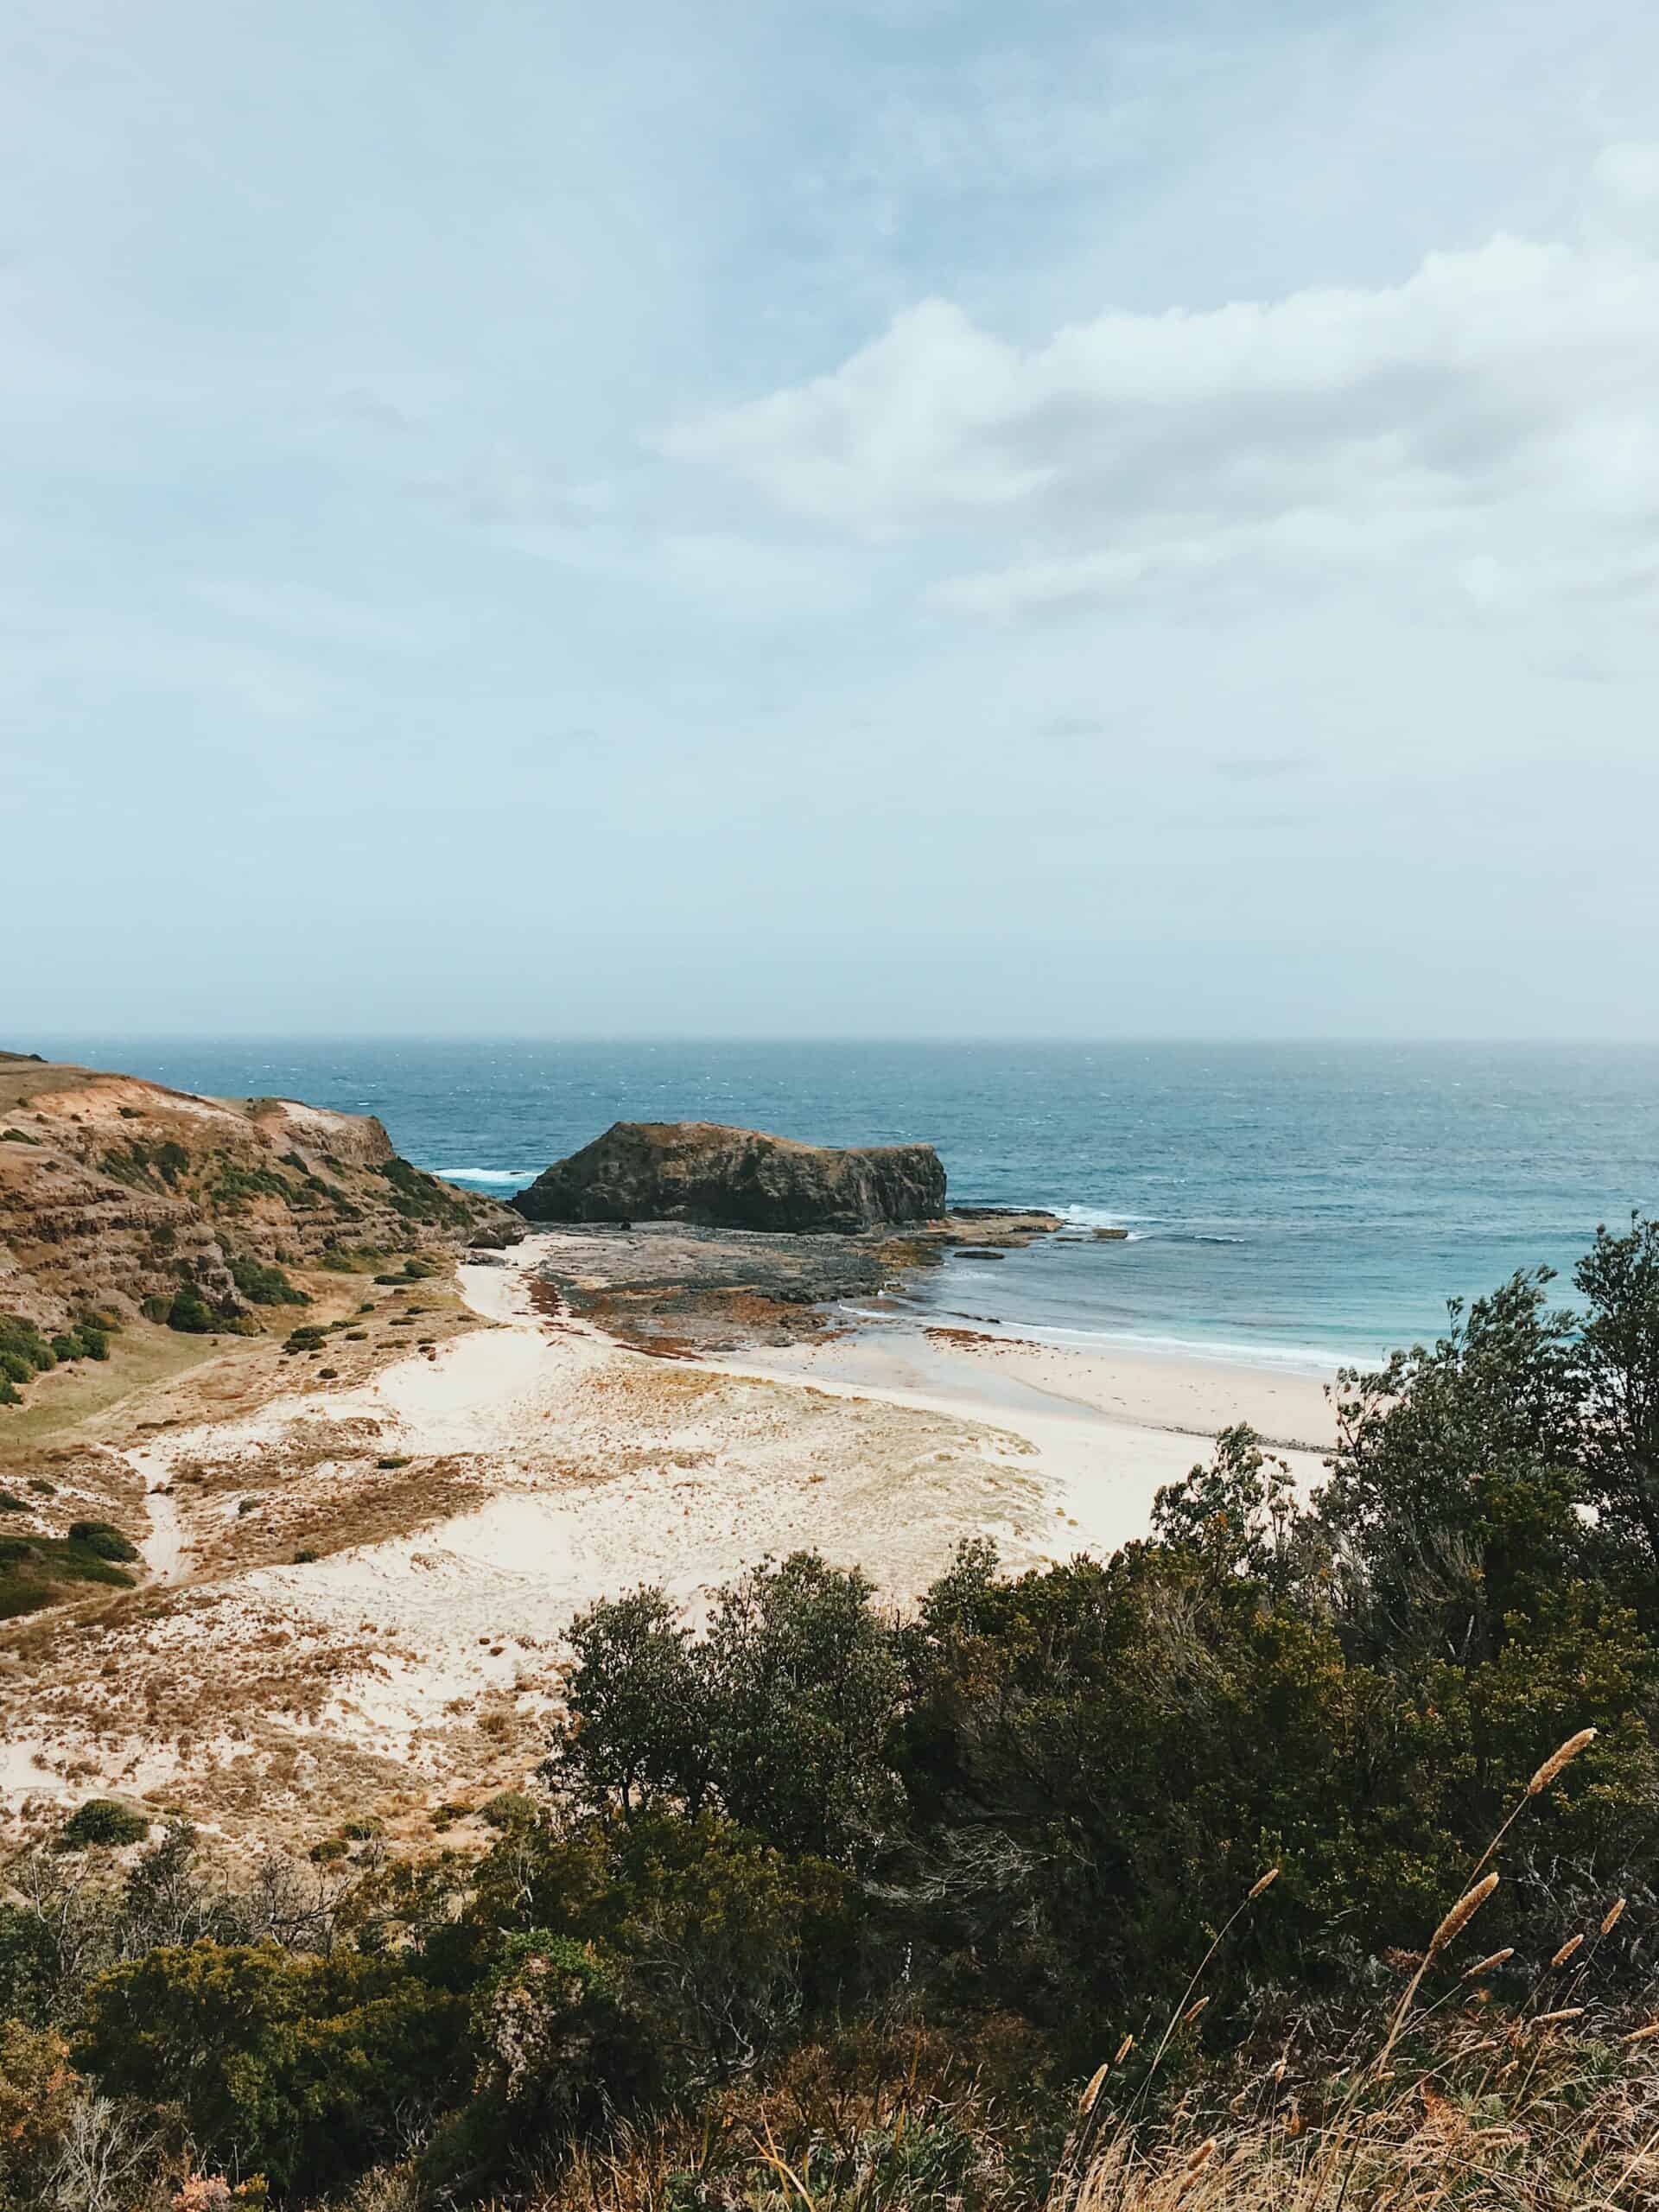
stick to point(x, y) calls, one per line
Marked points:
point(296, 2065)
point(261, 1284)
point(420, 1197)
point(37, 1571)
point(192, 1313)
point(24, 1353)
point(102, 1820)
point(103, 1538)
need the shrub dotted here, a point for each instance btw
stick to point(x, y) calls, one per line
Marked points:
point(261, 1284)
point(104, 1538)
point(554, 2048)
point(191, 1314)
point(38, 1571)
point(300, 2067)
point(309, 1337)
point(781, 1714)
point(24, 1353)
point(38, 2097)
point(10, 1502)
point(102, 1821)
point(715, 1941)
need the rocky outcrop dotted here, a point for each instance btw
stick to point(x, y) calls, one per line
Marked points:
point(115, 1193)
point(723, 1178)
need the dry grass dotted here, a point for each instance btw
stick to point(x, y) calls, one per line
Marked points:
point(1537, 2124)
point(1543, 2110)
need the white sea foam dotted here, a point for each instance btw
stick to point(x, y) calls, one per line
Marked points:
point(1104, 1217)
point(1300, 1359)
point(486, 1174)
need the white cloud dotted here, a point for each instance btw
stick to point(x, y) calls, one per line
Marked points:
point(1492, 414)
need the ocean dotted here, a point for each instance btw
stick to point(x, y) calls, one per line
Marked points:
point(1297, 1203)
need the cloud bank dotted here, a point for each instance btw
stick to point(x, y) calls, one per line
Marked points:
point(1487, 426)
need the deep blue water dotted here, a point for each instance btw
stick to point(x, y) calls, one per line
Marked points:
point(1285, 1200)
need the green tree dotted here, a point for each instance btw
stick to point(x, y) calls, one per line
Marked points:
point(1618, 1278)
point(1455, 1485)
point(804, 1685)
point(638, 1727)
point(1239, 1513)
point(780, 1714)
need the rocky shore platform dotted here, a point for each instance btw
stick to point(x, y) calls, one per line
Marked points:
point(678, 1289)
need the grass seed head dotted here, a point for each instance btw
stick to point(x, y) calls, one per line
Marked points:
point(1566, 1950)
point(1461, 1914)
point(1553, 1765)
point(1490, 1963)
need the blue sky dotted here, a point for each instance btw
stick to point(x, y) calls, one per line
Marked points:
point(898, 518)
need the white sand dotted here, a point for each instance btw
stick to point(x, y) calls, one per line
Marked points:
point(1107, 1428)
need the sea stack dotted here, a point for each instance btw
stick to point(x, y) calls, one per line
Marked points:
point(723, 1178)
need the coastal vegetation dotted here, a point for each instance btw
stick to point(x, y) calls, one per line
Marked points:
point(26, 1351)
point(1304, 1854)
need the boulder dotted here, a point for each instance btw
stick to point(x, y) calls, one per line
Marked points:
point(737, 1178)
point(497, 1236)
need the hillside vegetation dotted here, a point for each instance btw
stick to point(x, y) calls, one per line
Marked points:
point(1299, 1856)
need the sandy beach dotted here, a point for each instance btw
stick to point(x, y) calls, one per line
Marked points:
point(530, 1465)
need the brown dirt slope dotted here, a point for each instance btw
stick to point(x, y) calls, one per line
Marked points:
point(115, 1192)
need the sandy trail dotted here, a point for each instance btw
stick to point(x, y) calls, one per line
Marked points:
point(163, 1547)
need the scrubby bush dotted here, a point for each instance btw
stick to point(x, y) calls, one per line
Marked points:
point(24, 1353)
point(38, 1571)
point(191, 1314)
point(296, 2065)
point(102, 1820)
point(103, 1538)
point(261, 1284)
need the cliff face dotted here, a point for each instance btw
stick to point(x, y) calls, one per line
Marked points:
point(114, 1191)
point(737, 1178)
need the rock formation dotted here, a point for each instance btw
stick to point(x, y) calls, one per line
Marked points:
point(737, 1178)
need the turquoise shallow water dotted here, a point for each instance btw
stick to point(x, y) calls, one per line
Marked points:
point(1298, 1202)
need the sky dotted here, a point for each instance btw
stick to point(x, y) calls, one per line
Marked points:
point(909, 517)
